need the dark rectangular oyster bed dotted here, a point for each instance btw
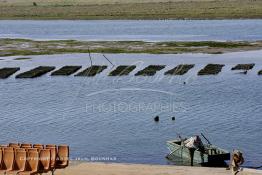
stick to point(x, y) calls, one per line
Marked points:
point(8, 71)
point(243, 67)
point(150, 70)
point(122, 70)
point(66, 71)
point(180, 69)
point(36, 72)
point(211, 69)
point(91, 71)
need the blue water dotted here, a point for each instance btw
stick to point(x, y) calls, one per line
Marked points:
point(146, 30)
point(111, 117)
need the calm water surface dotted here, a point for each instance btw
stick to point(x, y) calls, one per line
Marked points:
point(146, 30)
point(113, 117)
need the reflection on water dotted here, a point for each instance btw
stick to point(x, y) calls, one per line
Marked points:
point(113, 117)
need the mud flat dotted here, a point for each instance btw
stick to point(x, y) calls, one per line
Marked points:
point(211, 69)
point(243, 66)
point(91, 71)
point(15, 47)
point(36, 72)
point(150, 70)
point(66, 71)
point(122, 70)
point(180, 69)
point(23, 58)
point(7, 72)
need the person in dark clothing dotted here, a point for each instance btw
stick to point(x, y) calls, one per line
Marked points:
point(193, 144)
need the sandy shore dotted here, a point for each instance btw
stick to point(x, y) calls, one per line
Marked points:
point(139, 169)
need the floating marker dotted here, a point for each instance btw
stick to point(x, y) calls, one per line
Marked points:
point(156, 119)
point(244, 72)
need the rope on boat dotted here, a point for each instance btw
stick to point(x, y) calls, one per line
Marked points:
point(170, 154)
point(206, 139)
point(174, 151)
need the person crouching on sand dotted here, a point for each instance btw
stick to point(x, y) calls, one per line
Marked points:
point(237, 160)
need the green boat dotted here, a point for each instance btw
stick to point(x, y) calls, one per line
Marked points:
point(211, 154)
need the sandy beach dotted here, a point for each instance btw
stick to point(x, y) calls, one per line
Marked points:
point(86, 168)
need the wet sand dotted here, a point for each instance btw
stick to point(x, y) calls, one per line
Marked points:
point(139, 169)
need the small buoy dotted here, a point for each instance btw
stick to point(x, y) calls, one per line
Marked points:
point(244, 72)
point(173, 118)
point(156, 119)
point(184, 82)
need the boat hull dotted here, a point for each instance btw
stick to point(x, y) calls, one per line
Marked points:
point(212, 154)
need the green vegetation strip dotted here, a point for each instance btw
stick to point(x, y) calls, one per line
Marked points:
point(36, 72)
point(66, 71)
point(7, 72)
point(122, 70)
point(150, 70)
point(211, 69)
point(92, 71)
point(15, 47)
point(180, 69)
point(243, 66)
point(129, 9)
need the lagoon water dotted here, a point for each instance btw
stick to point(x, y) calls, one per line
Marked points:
point(146, 30)
point(109, 117)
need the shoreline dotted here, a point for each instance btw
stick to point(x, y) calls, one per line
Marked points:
point(97, 168)
point(127, 19)
point(124, 19)
point(25, 47)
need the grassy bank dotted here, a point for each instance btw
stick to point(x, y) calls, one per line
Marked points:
point(11, 47)
point(128, 9)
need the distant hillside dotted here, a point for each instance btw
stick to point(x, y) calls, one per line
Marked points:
point(130, 9)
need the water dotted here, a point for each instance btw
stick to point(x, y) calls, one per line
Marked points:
point(146, 30)
point(113, 117)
